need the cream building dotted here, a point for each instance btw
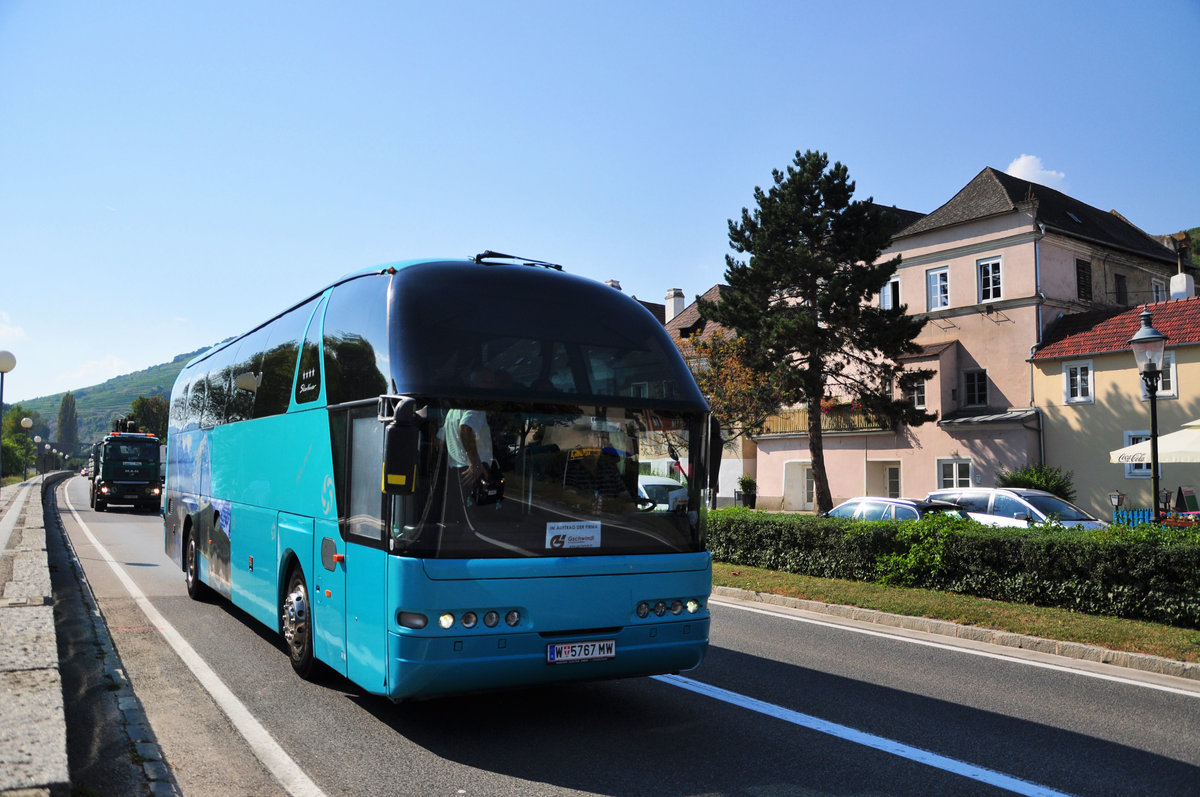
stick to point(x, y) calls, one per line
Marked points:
point(1093, 401)
point(991, 270)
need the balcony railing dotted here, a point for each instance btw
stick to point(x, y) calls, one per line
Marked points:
point(842, 418)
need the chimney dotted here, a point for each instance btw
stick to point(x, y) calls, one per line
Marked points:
point(613, 284)
point(1183, 286)
point(674, 303)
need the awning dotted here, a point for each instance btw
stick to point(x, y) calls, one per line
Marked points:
point(1180, 446)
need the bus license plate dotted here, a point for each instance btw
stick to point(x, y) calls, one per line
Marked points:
point(581, 651)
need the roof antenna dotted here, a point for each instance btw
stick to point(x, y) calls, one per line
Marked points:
point(488, 254)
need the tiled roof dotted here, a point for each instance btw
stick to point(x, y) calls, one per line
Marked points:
point(1106, 331)
point(992, 192)
point(689, 322)
point(928, 350)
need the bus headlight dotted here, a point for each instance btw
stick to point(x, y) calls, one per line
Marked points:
point(412, 620)
point(446, 620)
point(676, 606)
point(643, 610)
point(660, 608)
point(491, 619)
point(513, 617)
point(469, 619)
point(693, 606)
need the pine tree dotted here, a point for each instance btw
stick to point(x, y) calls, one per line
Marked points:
point(805, 302)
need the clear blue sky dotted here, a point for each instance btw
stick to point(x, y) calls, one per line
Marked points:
point(174, 173)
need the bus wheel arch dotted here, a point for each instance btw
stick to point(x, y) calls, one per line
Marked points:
point(296, 621)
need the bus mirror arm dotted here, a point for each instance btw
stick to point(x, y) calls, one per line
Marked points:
point(401, 439)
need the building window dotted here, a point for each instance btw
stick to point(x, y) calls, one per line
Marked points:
point(954, 473)
point(937, 288)
point(915, 395)
point(975, 388)
point(1138, 470)
point(1158, 289)
point(1077, 382)
point(989, 279)
point(889, 298)
point(893, 481)
point(1121, 289)
point(1083, 280)
point(1167, 381)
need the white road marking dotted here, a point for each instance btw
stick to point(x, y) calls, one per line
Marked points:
point(916, 754)
point(279, 763)
point(1009, 657)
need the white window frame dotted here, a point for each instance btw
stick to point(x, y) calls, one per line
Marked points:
point(1079, 383)
point(893, 480)
point(1168, 383)
point(957, 478)
point(937, 279)
point(966, 391)
point(990, 279)
point(1158, 290)
point(916, 394)
point(889, 297)
point(1138, 470)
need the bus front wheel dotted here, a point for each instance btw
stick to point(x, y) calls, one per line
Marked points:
point(297, 624)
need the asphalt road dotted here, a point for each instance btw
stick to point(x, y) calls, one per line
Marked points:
point(787, 702)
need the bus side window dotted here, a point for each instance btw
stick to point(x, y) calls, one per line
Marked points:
point(364, 514)
point(274, 393)
point(356, 342)
point(308, 376)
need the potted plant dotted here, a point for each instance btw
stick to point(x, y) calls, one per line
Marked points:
point(749, 489)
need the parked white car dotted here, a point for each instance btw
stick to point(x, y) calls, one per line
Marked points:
point(667, 494)
point(1015, 506)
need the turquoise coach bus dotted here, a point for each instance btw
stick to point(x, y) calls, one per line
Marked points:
point(425, 476)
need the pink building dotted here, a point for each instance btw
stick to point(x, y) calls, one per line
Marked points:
point(991, 270)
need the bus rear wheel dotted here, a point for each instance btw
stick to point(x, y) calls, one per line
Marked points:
point(196, 588)
point(297, 624)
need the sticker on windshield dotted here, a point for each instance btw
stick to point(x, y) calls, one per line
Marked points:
point(580, 534)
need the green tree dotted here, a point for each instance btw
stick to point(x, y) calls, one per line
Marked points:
point(804, 303)
point(150, 413)
point(17, 448)
point(1040, 477)
point(68, 424)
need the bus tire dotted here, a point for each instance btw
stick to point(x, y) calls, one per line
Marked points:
point(196, 589)
point(296, 623)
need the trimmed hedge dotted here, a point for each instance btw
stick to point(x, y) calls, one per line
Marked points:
point(1144, 572)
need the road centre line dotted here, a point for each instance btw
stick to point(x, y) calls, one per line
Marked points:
point(269, 752)
point(915, 754)
point(1010, 657)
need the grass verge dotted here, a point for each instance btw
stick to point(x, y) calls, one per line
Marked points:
point(1181, 644)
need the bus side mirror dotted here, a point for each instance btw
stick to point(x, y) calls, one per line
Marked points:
point(716, 446)
point(401, 441)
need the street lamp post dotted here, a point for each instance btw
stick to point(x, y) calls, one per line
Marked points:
point(1148, 344)
point(7, 363)
point(26, 424)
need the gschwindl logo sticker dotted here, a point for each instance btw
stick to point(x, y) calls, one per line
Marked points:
point(579, 534)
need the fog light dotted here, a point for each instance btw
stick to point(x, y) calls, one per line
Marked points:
point(490, 619)
point(676, 607)
point(446, 620)
point(469, 619)
point(411, 620)
point(643, 610)
point(660, 609)
point(513, 617)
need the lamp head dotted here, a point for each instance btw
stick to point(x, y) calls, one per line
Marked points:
point(1148, 344)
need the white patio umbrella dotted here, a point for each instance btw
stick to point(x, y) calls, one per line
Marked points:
point(1181, 446)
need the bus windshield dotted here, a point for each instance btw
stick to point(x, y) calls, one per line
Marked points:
point(569, 483)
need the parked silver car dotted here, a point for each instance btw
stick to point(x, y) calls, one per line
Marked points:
point(1015, 506)
point(873, 508)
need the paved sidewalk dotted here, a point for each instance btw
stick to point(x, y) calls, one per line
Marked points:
point(33, 736)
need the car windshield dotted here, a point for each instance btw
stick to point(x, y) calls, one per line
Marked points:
point(1053, 507)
